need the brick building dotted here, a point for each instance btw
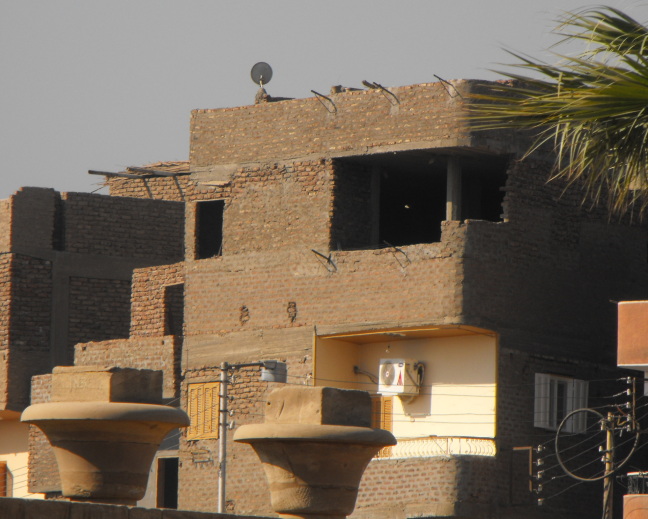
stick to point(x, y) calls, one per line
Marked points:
point(338, 234)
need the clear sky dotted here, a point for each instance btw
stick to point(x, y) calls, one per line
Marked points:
point(99, 84)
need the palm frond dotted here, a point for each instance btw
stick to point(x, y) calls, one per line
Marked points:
point(593, 106)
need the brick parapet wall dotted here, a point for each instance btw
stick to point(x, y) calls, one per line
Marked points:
point(363, 121)
point(119, 226)
point(37, 509)
point(5, 225)
point(179, 189)
point(32, 218)
point(149, 312)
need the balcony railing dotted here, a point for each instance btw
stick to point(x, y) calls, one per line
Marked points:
point(439, 446)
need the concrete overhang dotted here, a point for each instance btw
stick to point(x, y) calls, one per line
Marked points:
point(391, 334)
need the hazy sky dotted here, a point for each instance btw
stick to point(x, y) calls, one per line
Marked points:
point(98, 84)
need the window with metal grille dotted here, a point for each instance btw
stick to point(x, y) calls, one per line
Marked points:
point(555, 398)
point(203, 404)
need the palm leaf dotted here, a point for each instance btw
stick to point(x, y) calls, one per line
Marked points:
point(591, 107)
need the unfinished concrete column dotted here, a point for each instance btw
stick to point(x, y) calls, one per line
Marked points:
point(105, 425)
point(315, 445)
point(453, 189)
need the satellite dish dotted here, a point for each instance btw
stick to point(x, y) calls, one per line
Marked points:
point(387, 373)
point(261, 73)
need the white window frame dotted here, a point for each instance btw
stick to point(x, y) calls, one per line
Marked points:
point(555, 397)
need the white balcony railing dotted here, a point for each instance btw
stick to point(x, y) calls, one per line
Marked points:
point(439, 446)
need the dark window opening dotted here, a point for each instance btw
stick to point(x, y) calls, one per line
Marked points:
point(412, 207)
point(173, 309)
point(401, 198)
point(167, 483)
point(481, 189)
point(209, 228)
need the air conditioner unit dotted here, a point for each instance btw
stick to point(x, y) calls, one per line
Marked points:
point(398, 377)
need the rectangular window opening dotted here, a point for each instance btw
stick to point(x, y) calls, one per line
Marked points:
point(400, 199)
point(555, 398)
point(209, 228)
point(173, 309)
point(167, 483)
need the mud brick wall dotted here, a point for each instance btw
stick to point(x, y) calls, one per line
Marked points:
point(150, 302)
point(180, 189)
point(427, 289)
point(275, 207)
point(43, 470)
point(30, 323)
point(463, 486)
point(303, 127)
point(5, 225)
point(5, 322)
point(99, 309)
point(157, 353)
point(33, 211)
point(118, 226)
point(552, 269)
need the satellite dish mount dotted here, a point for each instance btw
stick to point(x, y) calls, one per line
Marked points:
point(261, 73)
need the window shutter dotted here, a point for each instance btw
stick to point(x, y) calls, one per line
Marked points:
point(203, 406)
point(580, 390)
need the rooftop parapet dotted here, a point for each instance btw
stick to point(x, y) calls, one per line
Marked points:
point(342, 124)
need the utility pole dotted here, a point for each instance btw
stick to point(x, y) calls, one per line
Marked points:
point(222, 436)
point(608, 458)
point(272, 371)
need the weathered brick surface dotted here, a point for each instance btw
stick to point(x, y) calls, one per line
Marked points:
point(298, 128)
point(43, 470)
point(158, 353)
point(99, 309)
point(151, 306)
point(29, 325)
point(181, 188)
point(118, 226)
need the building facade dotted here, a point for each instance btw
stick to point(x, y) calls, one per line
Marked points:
point(371, 239)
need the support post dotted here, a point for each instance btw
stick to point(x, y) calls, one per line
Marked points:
point(453, 189)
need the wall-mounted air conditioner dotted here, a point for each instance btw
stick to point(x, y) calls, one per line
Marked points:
point(398, 377)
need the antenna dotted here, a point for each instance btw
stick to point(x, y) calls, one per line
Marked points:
point(261, 73)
